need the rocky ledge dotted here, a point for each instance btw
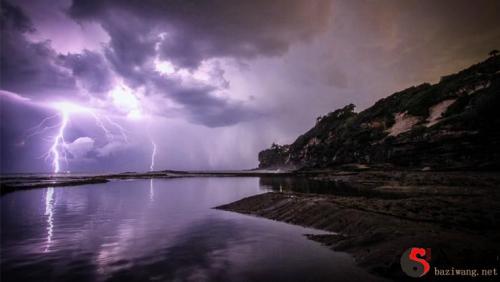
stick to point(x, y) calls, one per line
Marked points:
point(383, 213)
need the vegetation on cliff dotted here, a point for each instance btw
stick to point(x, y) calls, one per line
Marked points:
point(451, 124)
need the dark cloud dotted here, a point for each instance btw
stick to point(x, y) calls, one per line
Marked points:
point(131, 47)
point(27, 67)
point(198, 30)
point(13, 18)
point(286, 60)
point(201, 105)
point(91, 70)
point(187, 33)
point(416, 41)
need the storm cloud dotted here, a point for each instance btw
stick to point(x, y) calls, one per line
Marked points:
point(193, 31)
point(90, 69)
point(214, 82)
point(185, 34)
point(27, 67)
point(188, 33)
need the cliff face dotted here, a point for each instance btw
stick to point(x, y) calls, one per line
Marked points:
point(275, 157)
point(452, 124)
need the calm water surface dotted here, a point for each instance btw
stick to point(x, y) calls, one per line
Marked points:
point(157, 230)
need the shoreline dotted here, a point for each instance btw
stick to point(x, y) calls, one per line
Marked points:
point(375, 214)
point(14, 182)
point(457, 222)
point(18, 182)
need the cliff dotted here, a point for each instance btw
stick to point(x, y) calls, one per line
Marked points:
point(453, 124)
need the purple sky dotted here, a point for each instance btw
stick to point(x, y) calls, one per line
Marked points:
point(210, 83)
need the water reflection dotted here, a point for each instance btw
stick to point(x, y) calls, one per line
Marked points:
point(109, 251)
point(112, 232)
point(151, 191)
point(49, 213)
point(337, 187)
point(305, 185)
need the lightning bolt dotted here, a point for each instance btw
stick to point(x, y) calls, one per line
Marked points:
point(122, 97)
point(151, 168)
point(59, 143)
point(58, 152)
point(153, 156)
point(36, 130)
point(123, 132)
point(100, 124)
point(107, 132)
point(54, 151)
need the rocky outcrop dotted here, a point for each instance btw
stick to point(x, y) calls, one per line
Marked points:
point(452, 124)
point(376, 215)
point(275, 157)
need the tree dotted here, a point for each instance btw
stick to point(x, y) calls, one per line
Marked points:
point(494, 53)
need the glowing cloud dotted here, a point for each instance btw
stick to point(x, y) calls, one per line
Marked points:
point(164, 67)
point(81, 146)
point(125, 101)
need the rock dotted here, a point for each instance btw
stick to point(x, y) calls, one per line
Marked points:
point(275, 157)
point(376, 216)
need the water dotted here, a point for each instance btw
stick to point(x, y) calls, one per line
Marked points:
point(157, 230)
